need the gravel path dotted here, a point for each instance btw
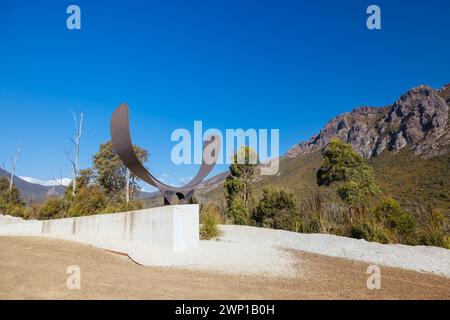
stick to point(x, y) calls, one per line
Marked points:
point(255, 251)
point(417, 258)
point(36, 268)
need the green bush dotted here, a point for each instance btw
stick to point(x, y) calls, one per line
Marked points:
point(133, 205)
point(16, 211)
point(370, 230)
point(11, 202)
point(389, 213)
point(277, 209)
point(318, 224)
point(209, 219)
point(89, 201)
point(52, 209)
point(31, 212)
point(435, 231)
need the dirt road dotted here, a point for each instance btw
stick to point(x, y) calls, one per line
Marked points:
point(35, 268)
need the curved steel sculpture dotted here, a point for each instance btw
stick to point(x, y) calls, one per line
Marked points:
point(121, 139)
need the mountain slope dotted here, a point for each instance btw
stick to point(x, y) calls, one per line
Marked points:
point(407, 143)
point(418, 121)
point(31, 191)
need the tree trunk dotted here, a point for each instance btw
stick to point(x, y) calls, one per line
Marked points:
point(74, 187)
point(11, 181)
point(76, 141)
point(14, 159)
point(127, 190)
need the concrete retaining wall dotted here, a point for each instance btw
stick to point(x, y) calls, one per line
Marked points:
point(175, 228)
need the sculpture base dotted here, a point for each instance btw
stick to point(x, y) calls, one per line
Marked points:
point(174, 228)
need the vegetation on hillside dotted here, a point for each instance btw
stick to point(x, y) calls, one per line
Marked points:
point(342, 194)
point(343, 166)
point(107, 187)
point(10, 200)
point(360, 209)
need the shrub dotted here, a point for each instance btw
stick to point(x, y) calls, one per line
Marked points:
point(52, 209)
point(370, 230)
point(31, 212)
point(277, 209)
point(389, 213)
point(133, 205)
point(16, 211)
point(88, 201)
point(318, 224)
point(435, 231)
point(209, 219)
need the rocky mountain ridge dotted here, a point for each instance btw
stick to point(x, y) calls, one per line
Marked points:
point(418, 120)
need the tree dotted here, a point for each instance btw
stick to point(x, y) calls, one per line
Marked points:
point(359, 186)
point(84, 179)
point(339, 163)
point(277, 209)
point(127, 185)
point(238, 185)
point(344, 166)
point(14, 159)
point(76, 140)
point(111, 174)
point(10, 200)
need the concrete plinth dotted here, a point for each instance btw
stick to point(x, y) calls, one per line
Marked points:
point(174, 228)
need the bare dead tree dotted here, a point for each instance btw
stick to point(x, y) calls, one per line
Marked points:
point(59, 181)
point(14, 158)
point(76, 140)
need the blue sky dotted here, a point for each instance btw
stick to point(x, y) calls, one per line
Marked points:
point(290, 65)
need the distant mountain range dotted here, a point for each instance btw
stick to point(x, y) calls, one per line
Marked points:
point(32, 191)
point(407, 143)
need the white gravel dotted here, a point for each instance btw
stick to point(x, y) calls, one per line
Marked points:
point(417, 258)
point(211, 256)
point(248, 250)
point(255, 251)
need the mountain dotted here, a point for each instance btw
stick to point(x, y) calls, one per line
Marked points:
point(417, 121)
point(407, 143)
point(31, 191)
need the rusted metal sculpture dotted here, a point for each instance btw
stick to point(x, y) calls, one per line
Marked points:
point(121, 139)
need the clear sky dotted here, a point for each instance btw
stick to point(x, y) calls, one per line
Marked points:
point(290, 65)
